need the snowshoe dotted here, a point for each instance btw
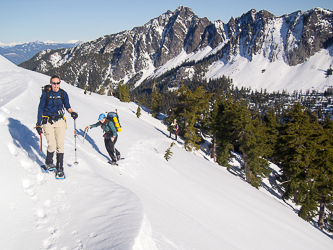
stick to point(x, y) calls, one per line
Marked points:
point(60, 175)
point(113, 163)
point(48, 167)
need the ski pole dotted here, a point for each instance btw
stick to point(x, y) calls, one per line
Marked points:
point(75, 141)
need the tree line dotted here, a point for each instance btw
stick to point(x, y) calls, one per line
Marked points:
point(296, 141)
point(293, 138)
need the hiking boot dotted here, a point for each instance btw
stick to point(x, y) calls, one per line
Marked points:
point(49, 162)
point(60, 162)
point(50, 167)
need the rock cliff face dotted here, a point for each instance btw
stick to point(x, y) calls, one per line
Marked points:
point(173, 37)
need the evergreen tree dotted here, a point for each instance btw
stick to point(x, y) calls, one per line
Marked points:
point(320, 187)
point(192, 108)
point(155, 102)
point(168, 152)
point(249, 134)
point(214, 125)
point(300, 152)
point(272, 133)
point(102, 91)
point(138, 111)
point(325, 177)
point(123, 92)
point(237, 129)
point(225, 136)
point(220, 133)
point(119, 91)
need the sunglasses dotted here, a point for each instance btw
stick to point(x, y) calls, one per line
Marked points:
point(55, 83)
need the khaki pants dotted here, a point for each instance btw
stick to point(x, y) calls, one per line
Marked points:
point(55, 136)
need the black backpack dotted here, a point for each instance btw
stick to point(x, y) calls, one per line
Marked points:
point(47, 89)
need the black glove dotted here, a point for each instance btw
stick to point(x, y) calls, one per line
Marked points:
point(39, 128)
point(74, 115)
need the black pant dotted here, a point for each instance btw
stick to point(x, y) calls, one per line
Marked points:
point(175, 132)
point(109, 145)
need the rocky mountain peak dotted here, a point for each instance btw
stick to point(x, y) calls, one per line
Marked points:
point(167, 41)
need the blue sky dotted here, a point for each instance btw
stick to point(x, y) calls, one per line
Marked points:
point(64, 20)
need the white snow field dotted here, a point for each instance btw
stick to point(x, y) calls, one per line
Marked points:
point(185, 203)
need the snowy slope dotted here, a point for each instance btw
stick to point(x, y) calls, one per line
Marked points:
point(186, 203)
point(260, 73)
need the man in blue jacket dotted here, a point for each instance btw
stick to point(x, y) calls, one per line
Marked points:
point(51, 117)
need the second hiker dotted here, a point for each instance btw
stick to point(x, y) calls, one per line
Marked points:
point(110, 136)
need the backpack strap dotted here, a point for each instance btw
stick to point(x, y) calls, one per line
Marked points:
point(62, 92)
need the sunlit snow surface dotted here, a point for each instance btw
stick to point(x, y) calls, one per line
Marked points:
point(187, 202)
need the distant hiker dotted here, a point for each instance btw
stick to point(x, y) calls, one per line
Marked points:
point(174, 129)
point(51, 116)
point(110, 136)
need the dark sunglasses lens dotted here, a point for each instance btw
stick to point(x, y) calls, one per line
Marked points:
point(55, 83)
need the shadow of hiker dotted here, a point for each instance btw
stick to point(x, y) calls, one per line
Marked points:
point(91, 142)
point(25, 139)
point(161, 131)
point(179, 142)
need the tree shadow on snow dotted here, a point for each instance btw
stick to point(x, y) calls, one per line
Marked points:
point(91, 142)
point(25, 139)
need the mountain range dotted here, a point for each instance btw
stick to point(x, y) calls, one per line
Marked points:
point(19, 53)
point(249, 49)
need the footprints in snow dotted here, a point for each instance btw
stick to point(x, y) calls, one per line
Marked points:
point(135, 163)
point(50, 207)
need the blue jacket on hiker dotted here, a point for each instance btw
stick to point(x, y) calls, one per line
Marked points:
point(55, 104)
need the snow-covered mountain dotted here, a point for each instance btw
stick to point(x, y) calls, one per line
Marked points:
point(187, 202)
point(248, 49)
point(18, 53)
